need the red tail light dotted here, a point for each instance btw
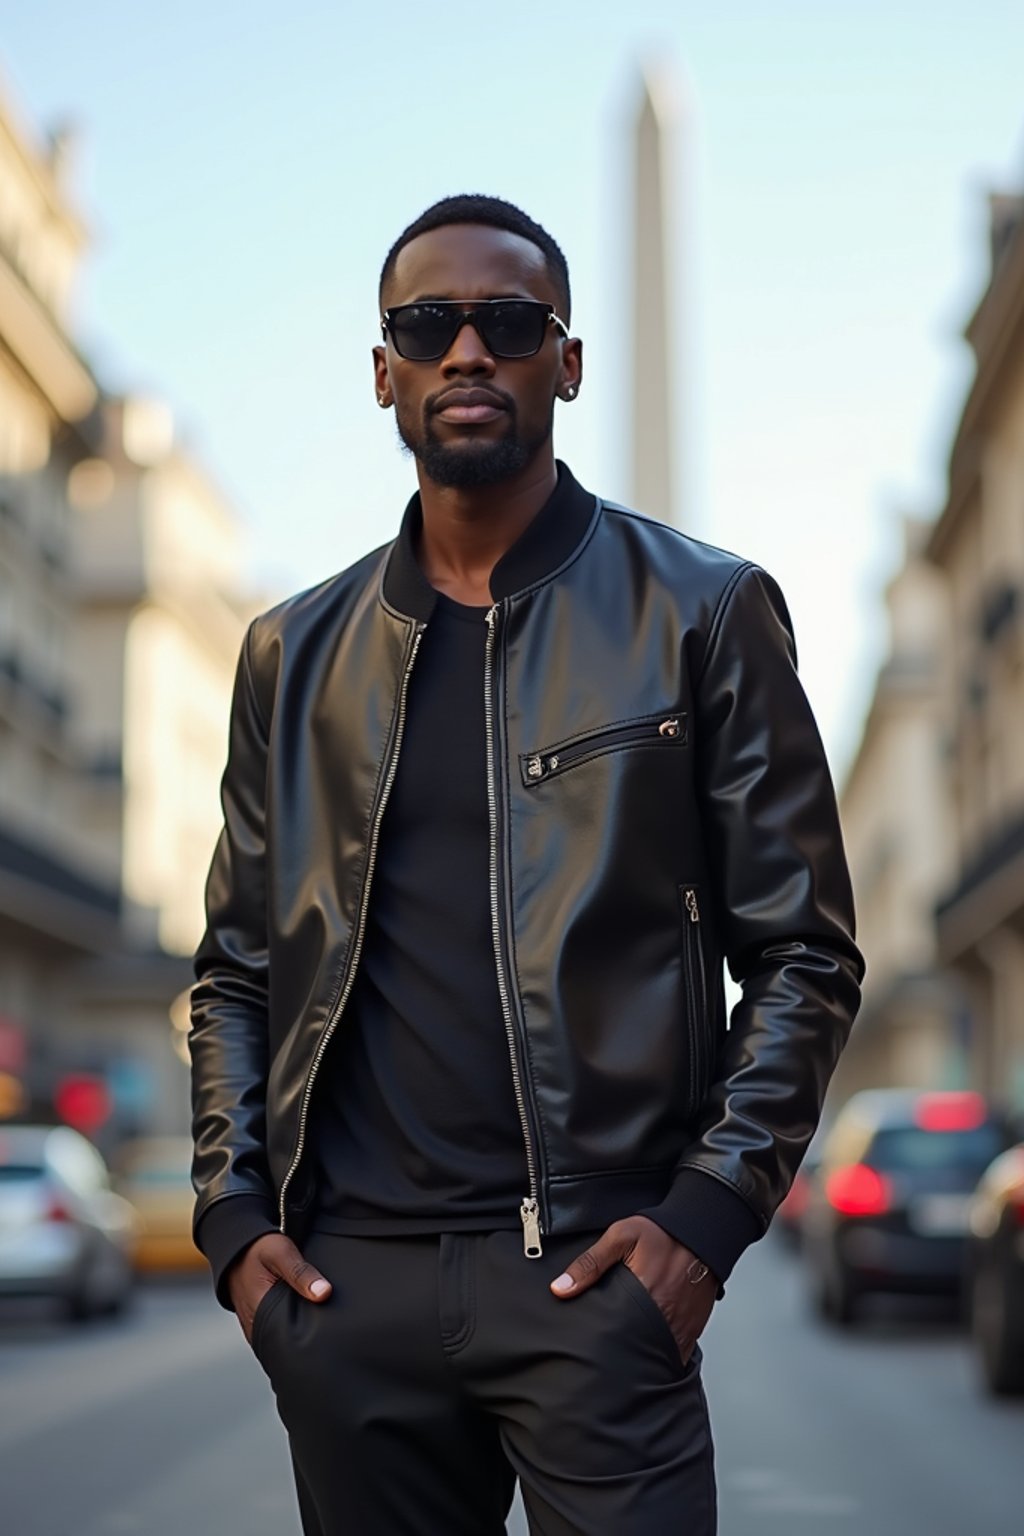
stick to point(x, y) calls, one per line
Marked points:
point(858, 1191)
point(950, 1112)
point(56, 1210)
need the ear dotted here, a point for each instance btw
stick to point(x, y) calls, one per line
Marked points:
point(572, 368)
point(381, 382)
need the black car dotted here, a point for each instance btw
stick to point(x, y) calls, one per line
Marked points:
point(996, 1272)
point(889, 1208)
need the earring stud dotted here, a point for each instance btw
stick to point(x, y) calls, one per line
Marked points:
point(570, 392)
point(380, 401)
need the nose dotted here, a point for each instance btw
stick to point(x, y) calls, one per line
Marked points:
point(467, 353)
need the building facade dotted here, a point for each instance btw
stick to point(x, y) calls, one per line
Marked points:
point(978, 546)
point(120, 624)
point(897, 818)
point(160, 618)
point(934, 803)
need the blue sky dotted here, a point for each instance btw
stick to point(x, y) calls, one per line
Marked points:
point(244, 168)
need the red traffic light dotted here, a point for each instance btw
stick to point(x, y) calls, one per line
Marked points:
point(83, 1102)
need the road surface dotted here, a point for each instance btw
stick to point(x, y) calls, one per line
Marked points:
point(162, 1423)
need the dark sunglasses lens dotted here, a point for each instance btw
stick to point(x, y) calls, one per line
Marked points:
point(514, 330)
point(421, 332)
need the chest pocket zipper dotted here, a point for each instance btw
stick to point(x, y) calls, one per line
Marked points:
point(651, 731)
point(695, 977)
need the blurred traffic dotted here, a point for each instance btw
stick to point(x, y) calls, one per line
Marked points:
point(64, 1233)
point(152, 1173)
point(76, 1235)
point(888, 1207)
point(918, 1195)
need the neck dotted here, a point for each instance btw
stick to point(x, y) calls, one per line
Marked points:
point(467, 530)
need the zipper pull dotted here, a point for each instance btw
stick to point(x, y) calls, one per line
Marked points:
point(691, 904)
point(531, 1228)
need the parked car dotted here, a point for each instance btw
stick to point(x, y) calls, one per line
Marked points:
point(153, 1173)
point(996, 1272)
point(889, 1210)
point(64, 1233)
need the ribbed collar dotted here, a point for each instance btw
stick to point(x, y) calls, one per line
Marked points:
point(544, 545)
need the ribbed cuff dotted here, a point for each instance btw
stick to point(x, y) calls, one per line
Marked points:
point(225, 1230)
point(705, 1215)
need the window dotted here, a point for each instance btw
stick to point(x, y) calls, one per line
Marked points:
point(909, 1149)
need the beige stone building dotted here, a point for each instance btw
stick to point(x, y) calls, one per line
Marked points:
point(156, 553)
point(47, 425)
point(978, 545)
point(897, 818)
point(120, 624)
point(934, 803)
point(55, 906)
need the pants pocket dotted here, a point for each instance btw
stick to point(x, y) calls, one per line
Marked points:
point(657, 1321)
point(267, 1304)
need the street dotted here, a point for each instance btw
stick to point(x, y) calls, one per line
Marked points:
point(162, 1423)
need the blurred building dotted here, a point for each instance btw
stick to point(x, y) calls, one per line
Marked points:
point(897, 817)
point(160, 617)
point(978, 545)
point(55, 906)
point(934, 803)
point(47, 425)
point(120, 623)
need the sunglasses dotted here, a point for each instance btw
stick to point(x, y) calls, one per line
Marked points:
point(421, 333)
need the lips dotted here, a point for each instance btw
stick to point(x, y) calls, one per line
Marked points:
point(469, 405)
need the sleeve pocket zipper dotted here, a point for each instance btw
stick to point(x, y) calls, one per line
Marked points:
point(651, 731)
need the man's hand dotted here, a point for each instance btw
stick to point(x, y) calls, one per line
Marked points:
point(683, 1287)
point(271, 1257)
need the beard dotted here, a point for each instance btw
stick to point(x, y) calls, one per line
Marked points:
point(470, 463)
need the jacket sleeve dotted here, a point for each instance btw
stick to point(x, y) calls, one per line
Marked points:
point(228, 1039)
point(784, 911)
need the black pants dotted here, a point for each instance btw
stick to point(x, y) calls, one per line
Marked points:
point(442, 1368)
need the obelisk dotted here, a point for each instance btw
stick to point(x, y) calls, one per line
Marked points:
point(655, 281)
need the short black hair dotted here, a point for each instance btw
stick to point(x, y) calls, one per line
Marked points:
point(475, 208)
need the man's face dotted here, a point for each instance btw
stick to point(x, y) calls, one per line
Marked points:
point(471, 418)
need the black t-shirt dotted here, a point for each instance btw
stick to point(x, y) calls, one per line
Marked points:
point(415, 1125)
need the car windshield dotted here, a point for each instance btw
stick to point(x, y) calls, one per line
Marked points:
point(912, 1149)
point(18, 1173)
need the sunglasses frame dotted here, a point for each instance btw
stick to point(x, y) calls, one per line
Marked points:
point(471, 312)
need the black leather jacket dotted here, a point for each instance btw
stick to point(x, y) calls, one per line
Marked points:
point(660, 802)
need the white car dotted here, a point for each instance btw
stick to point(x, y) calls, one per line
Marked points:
point(64, 1233)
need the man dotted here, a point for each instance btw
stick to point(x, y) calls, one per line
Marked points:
point(475, 1146)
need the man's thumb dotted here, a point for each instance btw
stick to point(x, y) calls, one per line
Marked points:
point(305, 1278)
point(588, 1266)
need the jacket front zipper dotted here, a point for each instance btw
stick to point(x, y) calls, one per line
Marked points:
point(529, 1210)
point(653, 731)
point(696, 988)
point(364, 901)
